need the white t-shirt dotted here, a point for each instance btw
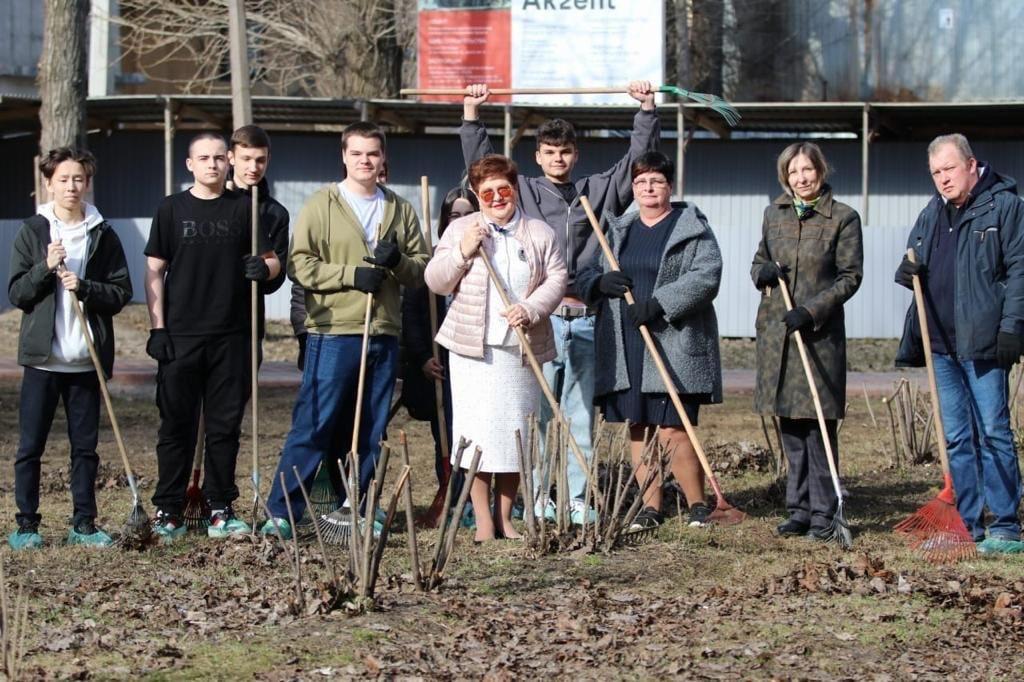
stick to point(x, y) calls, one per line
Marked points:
point(369, 211)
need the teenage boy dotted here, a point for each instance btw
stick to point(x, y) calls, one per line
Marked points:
point(198, 270)
point(554, 197)
point(352, 238)
point(65, 254)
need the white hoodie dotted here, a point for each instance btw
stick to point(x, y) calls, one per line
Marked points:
point(69, 352)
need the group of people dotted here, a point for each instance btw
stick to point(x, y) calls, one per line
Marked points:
point(517, 271)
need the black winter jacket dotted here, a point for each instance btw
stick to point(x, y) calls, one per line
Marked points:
point(989, 272)
point(32, 287)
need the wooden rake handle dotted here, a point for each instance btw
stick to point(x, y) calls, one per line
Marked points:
point(829, 455)
point(363, 353)
point(432, 306)
point(645, 333)
point(254, 346)
point(518, 91)
point(524, 344)
point(926, 341)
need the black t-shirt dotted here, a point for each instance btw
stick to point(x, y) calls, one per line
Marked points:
point(568, 191)
point(203, 242)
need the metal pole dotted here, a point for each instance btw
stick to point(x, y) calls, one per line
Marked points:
point(168, 146)
point(241, 102)
point(680, 152)
point(865, 140)
point(508, 130)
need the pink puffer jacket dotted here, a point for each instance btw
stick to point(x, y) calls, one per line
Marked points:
point(449, 273)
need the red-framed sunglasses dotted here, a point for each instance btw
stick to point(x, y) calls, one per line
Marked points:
point(503, 192)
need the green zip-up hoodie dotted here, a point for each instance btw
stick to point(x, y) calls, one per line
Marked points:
point(328, 245)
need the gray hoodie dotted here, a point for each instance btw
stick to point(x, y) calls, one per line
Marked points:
point(610, 192)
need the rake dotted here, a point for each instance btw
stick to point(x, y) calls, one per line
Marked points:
point(724, 512)
point(713, 102)
point(137, 532)
point(936, 530)
point(254, 368)
point(839, 530)
point(323, 496)
point(197, 510)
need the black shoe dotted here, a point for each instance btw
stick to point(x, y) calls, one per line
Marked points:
point(699, 514)
point(85, 527)
point(792, 528)
point(819, 534)
point(648, 518)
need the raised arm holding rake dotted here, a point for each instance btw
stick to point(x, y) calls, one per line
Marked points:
point(814, 242)
point(554, 198)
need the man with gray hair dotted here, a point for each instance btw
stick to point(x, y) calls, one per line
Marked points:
point(969, 242)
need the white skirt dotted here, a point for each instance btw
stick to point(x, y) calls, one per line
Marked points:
point(491, 398)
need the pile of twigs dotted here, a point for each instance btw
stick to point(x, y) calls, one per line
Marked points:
point(449, 526)
point(912, 425)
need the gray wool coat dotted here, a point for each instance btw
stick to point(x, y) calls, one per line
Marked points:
point(687, 283)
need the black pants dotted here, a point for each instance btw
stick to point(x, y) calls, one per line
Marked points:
point(40, 391)
point(211, 371)
point(810, 497)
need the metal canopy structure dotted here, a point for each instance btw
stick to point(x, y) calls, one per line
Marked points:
point(866, 121)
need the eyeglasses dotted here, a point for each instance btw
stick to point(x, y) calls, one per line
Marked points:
point(505, 192)
point(654, 184)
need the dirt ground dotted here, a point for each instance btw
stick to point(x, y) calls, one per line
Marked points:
point(721, 603)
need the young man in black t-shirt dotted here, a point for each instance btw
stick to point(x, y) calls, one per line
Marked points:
point(198, 273)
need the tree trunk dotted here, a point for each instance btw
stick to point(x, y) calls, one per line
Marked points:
point(62, 74)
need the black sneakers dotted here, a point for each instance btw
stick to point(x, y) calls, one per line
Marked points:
point(699, 515)
point(648, 518)
point(792, 528)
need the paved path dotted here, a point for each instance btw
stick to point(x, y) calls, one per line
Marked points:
point(133, 375)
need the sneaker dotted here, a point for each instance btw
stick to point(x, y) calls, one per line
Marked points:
point(580, 513)
point(545, 508)
point(224, 523)
point(792, 528)
point(700, 514)
point(648, 518)
point(272, 527)
point(168, 528)
point(998, 545)
point(86, 533)
point(26, 537)
point(819, 535)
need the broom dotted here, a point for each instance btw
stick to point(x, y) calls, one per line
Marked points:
point(936, 529)
point(137, 532)
point(724, 512)
point(713, 102)
point(839, 531)
point(197, 509)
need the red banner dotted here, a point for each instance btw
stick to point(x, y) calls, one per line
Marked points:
point(459, 47)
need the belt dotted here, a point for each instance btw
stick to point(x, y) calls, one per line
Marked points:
point(573, 311)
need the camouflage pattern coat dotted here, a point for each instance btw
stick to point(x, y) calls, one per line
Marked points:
point(825, 255)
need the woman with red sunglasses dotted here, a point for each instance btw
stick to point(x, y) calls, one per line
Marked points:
point(493, 389)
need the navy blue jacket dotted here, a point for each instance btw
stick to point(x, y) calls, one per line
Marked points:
point(989, 272)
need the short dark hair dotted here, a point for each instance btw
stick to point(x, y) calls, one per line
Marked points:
point(205, 135)
point(556, 132)
point(250, 136)
point(363, 129)
point(654, 162)
point(55, 157)
point(493, 166)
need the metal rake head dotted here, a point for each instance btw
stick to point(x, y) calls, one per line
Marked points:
point(714, 102)
point(138, 530)
point(336, 527)
point(840, 531)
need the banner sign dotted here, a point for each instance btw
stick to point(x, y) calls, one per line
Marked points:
point(541, 43)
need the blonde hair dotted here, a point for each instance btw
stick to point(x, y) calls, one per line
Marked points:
point(812, 152)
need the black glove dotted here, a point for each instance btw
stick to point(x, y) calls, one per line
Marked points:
point(386, 254)
point(1008, 349)
point(645, 312)
point(614, 284)
point(770, 274)
point(368, 279)
point(159, 346)
point(906, 271)
point(301, 362)
point(256, 268)
point(797, 318)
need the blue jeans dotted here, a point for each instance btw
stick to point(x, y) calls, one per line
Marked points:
point(324, 414)
point(571, 378)
point(982, 458)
